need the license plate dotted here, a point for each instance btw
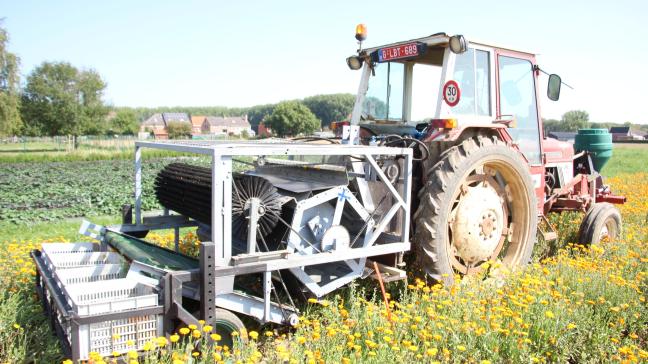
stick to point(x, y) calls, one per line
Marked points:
point(398, 52)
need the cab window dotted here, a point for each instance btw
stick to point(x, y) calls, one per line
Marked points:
point(471, 72)
point(384, 99)
point(518, 98)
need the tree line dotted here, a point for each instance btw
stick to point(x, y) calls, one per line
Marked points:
point(573, 120)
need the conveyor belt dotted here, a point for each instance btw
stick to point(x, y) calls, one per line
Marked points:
point(147, 253)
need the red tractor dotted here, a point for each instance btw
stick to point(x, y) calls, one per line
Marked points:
point(487, 175)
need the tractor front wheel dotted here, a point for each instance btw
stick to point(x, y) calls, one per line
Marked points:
point(477, 205)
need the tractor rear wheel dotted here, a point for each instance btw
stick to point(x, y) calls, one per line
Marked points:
point(477, 205)
point(603, 220)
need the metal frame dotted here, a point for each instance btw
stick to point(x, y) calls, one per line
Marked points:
point(217, 265)
point(212, 284)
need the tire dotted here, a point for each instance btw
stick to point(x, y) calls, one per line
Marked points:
point(224, 324)
point(602, 220)
point(479, 180)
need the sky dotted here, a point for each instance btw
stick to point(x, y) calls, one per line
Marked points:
point(244, 53)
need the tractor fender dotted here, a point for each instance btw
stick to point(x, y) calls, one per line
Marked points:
point(437, 144)
point(468, 131)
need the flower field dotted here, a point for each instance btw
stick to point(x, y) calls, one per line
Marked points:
point(572, 304)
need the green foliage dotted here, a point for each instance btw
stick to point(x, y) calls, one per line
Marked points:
point(124, 122)
point(329, 108)
point(292, 118)
point(51, 191)
point(10, 121)
point(61, 100)
point(179, 130)
point(575, 119)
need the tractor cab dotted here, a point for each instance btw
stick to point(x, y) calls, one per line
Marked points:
point(446, 82)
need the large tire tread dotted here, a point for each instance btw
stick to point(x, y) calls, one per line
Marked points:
point(442, 178)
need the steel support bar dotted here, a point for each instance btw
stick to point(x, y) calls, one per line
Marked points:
point(267, 289)
point(138, 184)
point(253, 225)
point(207, 281)
point(298, 260)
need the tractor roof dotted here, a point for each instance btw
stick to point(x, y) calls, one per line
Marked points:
point(442, 39)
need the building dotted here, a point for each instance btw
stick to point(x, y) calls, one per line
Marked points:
point(623, 133)
point(264, 131)
point(196, 124)
point(158, 123)
point(226, 125)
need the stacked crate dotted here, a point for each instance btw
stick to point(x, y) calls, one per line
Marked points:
point(93, 285)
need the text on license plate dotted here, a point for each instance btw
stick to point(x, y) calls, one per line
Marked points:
point(396, 52)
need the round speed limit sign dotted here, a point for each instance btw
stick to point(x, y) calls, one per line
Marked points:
point(451, 93)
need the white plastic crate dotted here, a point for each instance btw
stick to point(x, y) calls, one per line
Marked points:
point(80, 259)
point(100, 272)
point(108, 337)
point(109, 296)
point(57, 248)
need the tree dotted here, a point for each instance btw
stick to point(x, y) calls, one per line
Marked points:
point(61, 100)
point(124, 122)
point(292, 118)
point(550, 125)
point(179, 130)
point(10, 121)
point(329, 108)
point(574, 120)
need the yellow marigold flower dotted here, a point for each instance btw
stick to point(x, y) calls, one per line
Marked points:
point(67, 361)
point(147, 346)
point(268, 333)
point(178, 361)
point(432, 351)
point(217, 357)
point(571, 326)
point(192, 327)
point(461, 348)
point(207, 328)
point(253, 334)
point(549, 314)
point(174, 338)
point(161, 341)
point(132, 361)
point(215, 337)
point(195, 354)
point(346, 361)
point(312, 300)
point(301, 339)
point(485, 362)
point(16, 326)
point(184, 331)
point(196, 334)
point(202, 322)
point(132, 354)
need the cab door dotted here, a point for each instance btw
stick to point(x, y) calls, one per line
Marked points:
point(517, 96)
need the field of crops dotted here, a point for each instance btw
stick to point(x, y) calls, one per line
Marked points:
point(52, 191)
point(571, 305)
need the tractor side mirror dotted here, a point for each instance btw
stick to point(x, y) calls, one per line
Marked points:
point(553, 88)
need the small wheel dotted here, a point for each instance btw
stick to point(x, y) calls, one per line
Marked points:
point(603, 220)
point(225, 323)
point(478, 204)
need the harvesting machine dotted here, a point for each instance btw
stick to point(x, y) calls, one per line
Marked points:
point(444, 147)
